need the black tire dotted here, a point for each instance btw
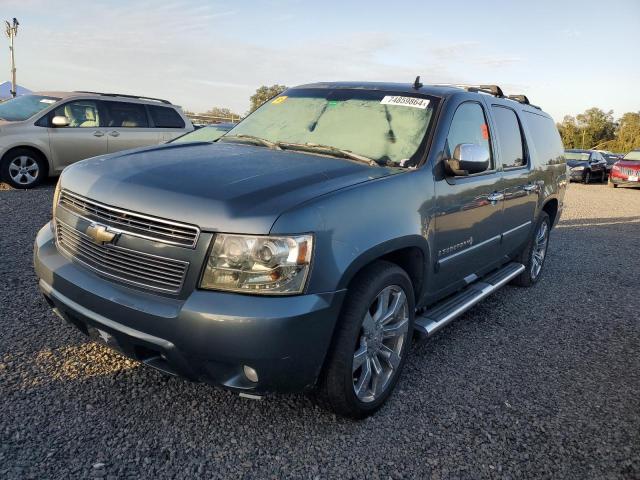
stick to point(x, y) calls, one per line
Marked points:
point(604, 177)
point(531, 275)
point(335, 390)
point(32, 161)
point(587, 177)
point(611, 184)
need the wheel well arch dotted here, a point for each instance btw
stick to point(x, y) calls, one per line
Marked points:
point(413, 259)
point(35, 150)
point(551, 209)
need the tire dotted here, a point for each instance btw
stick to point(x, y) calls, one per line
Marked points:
point(354, 343)
point(23, 168)
point(538, 243)
point(587, 177)
point(604, 177)
point(611, 184)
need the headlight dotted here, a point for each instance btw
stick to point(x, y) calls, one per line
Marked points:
point(259, 265)
point(577, 169)
point(56, 196)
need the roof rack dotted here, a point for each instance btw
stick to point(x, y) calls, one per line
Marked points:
point(125, 96)
point(523, 99)
point(494, 90)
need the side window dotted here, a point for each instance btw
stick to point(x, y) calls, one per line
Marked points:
point(126, 115)
point(81, 113)
point(469, 125)
point(509, 137)
point(545, 138)
point(165, 117)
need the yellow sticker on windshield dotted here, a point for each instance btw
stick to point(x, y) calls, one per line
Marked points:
point(279, 100)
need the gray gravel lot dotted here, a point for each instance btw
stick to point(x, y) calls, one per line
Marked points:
point(541, 382)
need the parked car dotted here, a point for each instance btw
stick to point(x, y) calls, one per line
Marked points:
point(208, 133)
point(626, 172)
point(585, 165)
point(303, 249)
point(42, 133)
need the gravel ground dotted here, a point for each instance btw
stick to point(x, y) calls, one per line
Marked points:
point(541, 382)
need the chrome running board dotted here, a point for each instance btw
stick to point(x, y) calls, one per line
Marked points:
point(439, 315)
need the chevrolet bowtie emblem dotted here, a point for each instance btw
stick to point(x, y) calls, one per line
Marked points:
point(100, 234)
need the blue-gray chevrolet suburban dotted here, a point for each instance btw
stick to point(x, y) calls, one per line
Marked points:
point(308, 246)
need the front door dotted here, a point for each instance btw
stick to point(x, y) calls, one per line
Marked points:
point(521, 189)
point(128, 126)
point(84, 137)
point(469, 219)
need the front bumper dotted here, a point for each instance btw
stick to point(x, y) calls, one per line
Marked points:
point(623, 181)
point(209, 336)
point(576, 175)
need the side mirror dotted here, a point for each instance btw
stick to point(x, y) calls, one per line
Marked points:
point(60, 121)
point(468, 158)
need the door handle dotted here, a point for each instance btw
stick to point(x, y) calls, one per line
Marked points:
point(495, 197)
point(98, 134)
point(114, 133)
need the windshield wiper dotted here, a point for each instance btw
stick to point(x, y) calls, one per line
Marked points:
point(335, 151)
point(254, 139)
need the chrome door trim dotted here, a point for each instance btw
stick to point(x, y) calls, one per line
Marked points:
point(469, 249)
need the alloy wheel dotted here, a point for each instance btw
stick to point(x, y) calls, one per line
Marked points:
point(539, 250)
point(24, 170)
point(378, 352)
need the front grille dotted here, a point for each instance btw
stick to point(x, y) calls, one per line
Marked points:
point(129, 266)
point(132, 223)
point(629, 171)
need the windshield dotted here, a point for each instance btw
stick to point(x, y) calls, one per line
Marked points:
point(576, 156)
point(386, 127)
point(26, 106)
point(635, 155)
point(204, 134)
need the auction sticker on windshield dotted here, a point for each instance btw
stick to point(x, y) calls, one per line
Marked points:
point(405, 101)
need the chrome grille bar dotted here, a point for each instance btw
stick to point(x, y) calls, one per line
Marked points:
point(132, 223)
point(137, 268)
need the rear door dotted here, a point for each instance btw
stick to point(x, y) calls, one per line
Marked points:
point(84, 137)
point(520, 188)
point(167, 122)
point(128, 126)
point(468, 222)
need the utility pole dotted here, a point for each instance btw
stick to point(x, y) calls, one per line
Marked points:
point(12, 31)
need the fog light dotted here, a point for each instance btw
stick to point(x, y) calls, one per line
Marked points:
point(250, 373)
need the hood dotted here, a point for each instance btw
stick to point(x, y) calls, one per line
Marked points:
point(634, 164)
point(575, 163)
point(219, 187)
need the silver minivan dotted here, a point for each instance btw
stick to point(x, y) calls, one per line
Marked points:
point(42, 133)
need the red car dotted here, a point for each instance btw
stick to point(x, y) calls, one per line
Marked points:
point(626, 172)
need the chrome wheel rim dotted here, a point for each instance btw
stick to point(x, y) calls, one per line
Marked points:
point(539, 249)
point(382, 336)
point(24, 170)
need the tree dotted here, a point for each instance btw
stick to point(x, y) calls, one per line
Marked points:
point(263, 94)
point(222, 112)
point(628, 135)
point(588, 129)
point(569, 132)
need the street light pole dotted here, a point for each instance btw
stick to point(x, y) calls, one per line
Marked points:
point(12, 31)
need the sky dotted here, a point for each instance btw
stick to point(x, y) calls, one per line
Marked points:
point(565, 55)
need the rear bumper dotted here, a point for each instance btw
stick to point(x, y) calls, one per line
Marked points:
point(209, 336)
point(623, 181)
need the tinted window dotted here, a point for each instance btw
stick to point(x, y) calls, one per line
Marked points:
point(81, 113)
point(165, 117)
point(126, 115)
point(509, 137)
point(469, 125)
point(545, 137)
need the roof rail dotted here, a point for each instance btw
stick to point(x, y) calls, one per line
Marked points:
point(125, 96)
point(494, 90)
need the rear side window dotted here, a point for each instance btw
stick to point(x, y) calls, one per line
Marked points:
point(509, 137)
point(126, 115)
point(469, 125)
point(165, 117)
point(545, 137)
